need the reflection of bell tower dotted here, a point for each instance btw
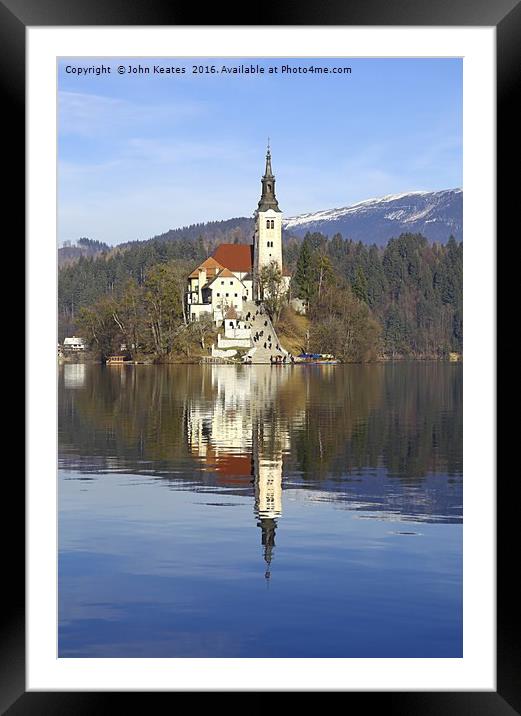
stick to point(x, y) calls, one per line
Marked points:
point(268, 528)
point(239, 434)
point(267, 473)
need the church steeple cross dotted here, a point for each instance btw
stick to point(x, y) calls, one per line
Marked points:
point(269, 171)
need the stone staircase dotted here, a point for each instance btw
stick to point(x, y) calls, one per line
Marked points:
point(264, 341)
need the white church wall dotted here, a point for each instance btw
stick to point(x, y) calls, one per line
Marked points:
point(266, 253)
point(236, 329)
point(197, 309)
point(227, 292)
point(233, 342)
point(218, 353)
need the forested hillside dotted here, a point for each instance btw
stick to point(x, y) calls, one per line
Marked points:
point(83, 247)
point(411, 289)
point(208, 235)
point(404, 299)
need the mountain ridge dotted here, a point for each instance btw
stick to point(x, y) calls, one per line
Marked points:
point(435, 214)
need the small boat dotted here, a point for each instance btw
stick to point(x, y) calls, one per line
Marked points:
point(317, 359)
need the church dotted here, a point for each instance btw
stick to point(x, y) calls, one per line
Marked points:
point(227, 284)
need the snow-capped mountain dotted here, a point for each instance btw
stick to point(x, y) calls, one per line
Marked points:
point(435, 214)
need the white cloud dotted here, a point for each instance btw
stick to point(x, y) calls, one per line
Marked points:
point(89, 114)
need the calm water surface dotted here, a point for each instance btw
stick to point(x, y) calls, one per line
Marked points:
point(258, 511)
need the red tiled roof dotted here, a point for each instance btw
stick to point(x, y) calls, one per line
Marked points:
point(224, 273)
point(236, 257)
point(210, 264)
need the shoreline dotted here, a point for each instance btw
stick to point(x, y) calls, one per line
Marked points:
point(199, 361)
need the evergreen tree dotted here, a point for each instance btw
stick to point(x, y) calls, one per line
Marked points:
point(360, 285)
point(303, 277)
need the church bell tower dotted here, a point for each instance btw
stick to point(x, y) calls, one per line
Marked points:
point(268, 228)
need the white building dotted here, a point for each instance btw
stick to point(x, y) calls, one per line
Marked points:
point(74, 344)
point(230, 277)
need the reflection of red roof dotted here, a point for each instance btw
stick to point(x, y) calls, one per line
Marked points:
point(231, 469)
point(236, 257)
point(229, 465)
point(235, 465)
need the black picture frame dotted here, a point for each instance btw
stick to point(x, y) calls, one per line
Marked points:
point(15, 17)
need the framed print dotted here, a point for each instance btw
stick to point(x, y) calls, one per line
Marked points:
point(245, 465)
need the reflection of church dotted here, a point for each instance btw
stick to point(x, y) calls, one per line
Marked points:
point(239, 438)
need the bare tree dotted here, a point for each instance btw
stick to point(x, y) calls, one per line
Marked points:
point(273, 290)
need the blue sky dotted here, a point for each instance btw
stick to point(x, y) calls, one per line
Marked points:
point(141, 154)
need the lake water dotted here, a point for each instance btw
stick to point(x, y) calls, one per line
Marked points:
point(259, 511)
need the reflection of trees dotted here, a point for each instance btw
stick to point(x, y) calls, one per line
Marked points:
point(424, 431)
point(338, 403)
point(327, 421)
point(404, 417)
point(128, 414)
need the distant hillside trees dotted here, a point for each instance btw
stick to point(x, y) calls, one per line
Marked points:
point(80, 284)
point(148, 318)
point(92, 245)
point(412, 290)
point(83, 247)
point(342, 325)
